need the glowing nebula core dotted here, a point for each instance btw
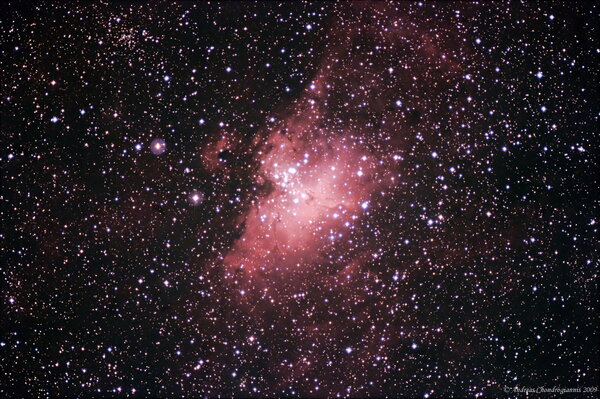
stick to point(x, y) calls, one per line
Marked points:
point(316, 195)
point(319, 181)
point(158, 146)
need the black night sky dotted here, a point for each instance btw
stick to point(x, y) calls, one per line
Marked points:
point(299, 199)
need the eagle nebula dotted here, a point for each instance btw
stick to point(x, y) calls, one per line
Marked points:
point(299, 199)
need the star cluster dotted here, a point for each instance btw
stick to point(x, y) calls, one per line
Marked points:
point(299, 199)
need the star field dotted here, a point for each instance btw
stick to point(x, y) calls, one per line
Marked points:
point(299, 199)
